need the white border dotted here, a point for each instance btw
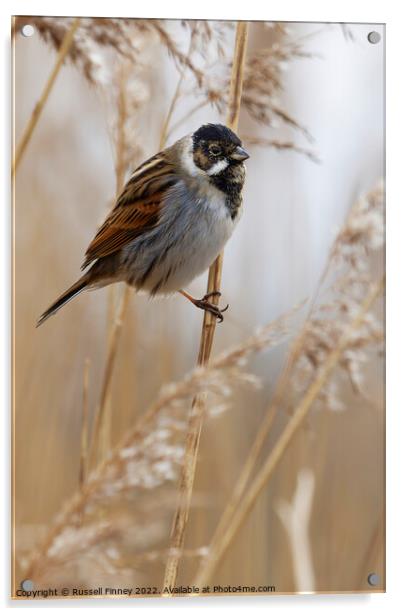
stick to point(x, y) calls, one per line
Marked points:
point(285, 10)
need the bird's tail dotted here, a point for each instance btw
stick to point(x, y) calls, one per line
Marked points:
point(68, 295)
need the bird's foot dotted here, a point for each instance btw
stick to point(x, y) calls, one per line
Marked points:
point(204, 304)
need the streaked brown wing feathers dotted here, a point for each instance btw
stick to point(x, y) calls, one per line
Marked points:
point(123, 224)
point(136, 211)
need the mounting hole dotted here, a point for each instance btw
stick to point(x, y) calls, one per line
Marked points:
point(373, 579)
point(374, 37)
point(27, 30)
point(27, 585)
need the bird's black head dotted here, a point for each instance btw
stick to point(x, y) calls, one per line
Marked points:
point(216, 148)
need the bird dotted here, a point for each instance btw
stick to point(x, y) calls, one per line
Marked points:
point(171, 220)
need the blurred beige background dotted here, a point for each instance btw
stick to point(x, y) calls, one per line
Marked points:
point(293, 207)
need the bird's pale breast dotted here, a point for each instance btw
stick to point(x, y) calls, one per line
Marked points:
point(195, 225)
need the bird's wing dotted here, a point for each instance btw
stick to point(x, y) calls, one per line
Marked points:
point(137, 209)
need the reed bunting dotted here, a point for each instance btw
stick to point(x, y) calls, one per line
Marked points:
point(171, 220)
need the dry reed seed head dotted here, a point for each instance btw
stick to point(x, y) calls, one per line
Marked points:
point(361, 237)
point(94, 40)
point(148, 462)
point(210, 38)
point(363, 230)
point(99, 42)
point(262, 84)
point(263, 72)
point(330, 398)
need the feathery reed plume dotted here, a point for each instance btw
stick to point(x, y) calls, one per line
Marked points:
point(65, 46)
point(96, 38)
point(295, 517)
point(222, 543)
point(361, 236)
point(348, 275)
point(262, 83)
point(207, 335)
point(144, 467)
point(100, 41)
point(263, 75)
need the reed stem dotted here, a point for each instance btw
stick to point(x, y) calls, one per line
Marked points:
point(36, 113)
point(107, 377)
point(84, 427)
point(116, 311)
point(207, 336)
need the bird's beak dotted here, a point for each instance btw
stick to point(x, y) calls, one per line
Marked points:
point(239, 154)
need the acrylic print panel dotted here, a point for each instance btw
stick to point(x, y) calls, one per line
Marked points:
point(135, 472)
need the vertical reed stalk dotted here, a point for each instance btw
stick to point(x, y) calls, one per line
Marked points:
point(107, 377)
point(245, 506)
point(207, 336)
point(84, 428)
point(103, 422)
point(36, 113)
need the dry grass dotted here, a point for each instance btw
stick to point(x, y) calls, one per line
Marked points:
point(148, 459)
point(222, 543)
point(126, 456)
point(325, 341)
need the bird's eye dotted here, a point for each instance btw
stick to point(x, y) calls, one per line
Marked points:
point(215, 150)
